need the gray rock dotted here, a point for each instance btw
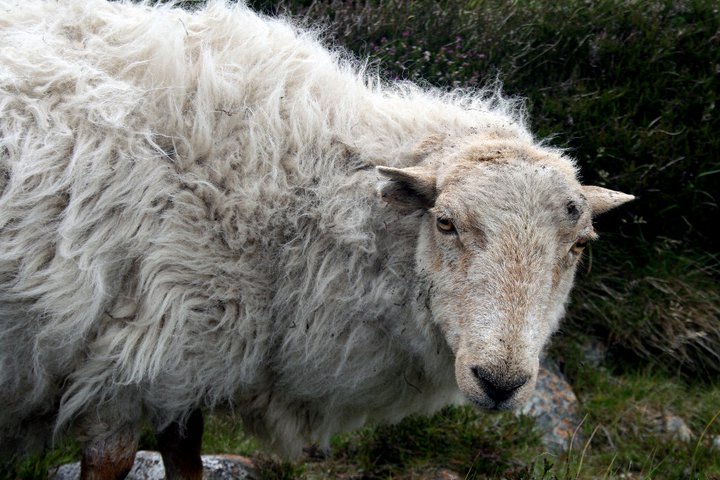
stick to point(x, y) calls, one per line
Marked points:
point(555, 409)
point(676, 428)
point(148, 466)
point(594, 353)
point(69, 471)
point(441, 474)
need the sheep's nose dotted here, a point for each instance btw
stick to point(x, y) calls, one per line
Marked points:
point(498, 389)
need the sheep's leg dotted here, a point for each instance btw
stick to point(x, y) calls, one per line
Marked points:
point(180, 448)
point(110, 456)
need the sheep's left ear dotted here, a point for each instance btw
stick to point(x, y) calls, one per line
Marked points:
point(601, 199)
point(411, 187)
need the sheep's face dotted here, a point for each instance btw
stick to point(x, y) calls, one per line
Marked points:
point(503, 230)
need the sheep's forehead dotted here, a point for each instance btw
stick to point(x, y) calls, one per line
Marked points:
point(480, 192)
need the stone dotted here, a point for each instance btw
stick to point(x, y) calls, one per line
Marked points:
point(594, 353)
point(676, 428)
point(555, 409)
point(148, 466)
point(440, 474)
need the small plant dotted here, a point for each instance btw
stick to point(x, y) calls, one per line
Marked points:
point(272, 468)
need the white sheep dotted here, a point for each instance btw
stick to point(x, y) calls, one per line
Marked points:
point(211, 208)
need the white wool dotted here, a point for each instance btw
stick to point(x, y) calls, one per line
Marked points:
point(189, 217)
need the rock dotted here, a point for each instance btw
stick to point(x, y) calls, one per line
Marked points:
point(148, 466)
point(69, 471)
point(228, 467)
point(440, 474)
point(647, 419)
point(594, 353)
point(676, 428)
point(554, 407)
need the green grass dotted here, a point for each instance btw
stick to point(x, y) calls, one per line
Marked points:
point(37, 465)
point(663, 310)
point(625, 407)
point(459, 439)
point(224, 434)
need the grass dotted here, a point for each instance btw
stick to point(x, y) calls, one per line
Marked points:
point(629, 408)
point(224, 434)
point(665, 312)
point(37, 465)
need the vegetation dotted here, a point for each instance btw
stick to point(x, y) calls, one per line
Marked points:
point(630, 89)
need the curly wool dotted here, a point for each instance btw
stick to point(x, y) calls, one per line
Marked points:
point(188, 216)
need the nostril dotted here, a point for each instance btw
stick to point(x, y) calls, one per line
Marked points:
point(497, 388)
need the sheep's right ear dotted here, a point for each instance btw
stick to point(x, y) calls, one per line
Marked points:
point(411, 187)
point(601, 199)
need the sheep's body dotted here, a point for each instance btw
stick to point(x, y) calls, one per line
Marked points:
point(188, 217)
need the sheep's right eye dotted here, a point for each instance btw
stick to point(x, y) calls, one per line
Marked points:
point(445, 226)
point(579, 246)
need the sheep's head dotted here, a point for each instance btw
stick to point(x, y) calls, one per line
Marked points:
point(505, 225)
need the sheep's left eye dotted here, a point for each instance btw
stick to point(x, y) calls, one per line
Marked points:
point(579, 246)
point(445, 226)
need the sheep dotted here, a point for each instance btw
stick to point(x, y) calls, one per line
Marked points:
point(210, 208)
